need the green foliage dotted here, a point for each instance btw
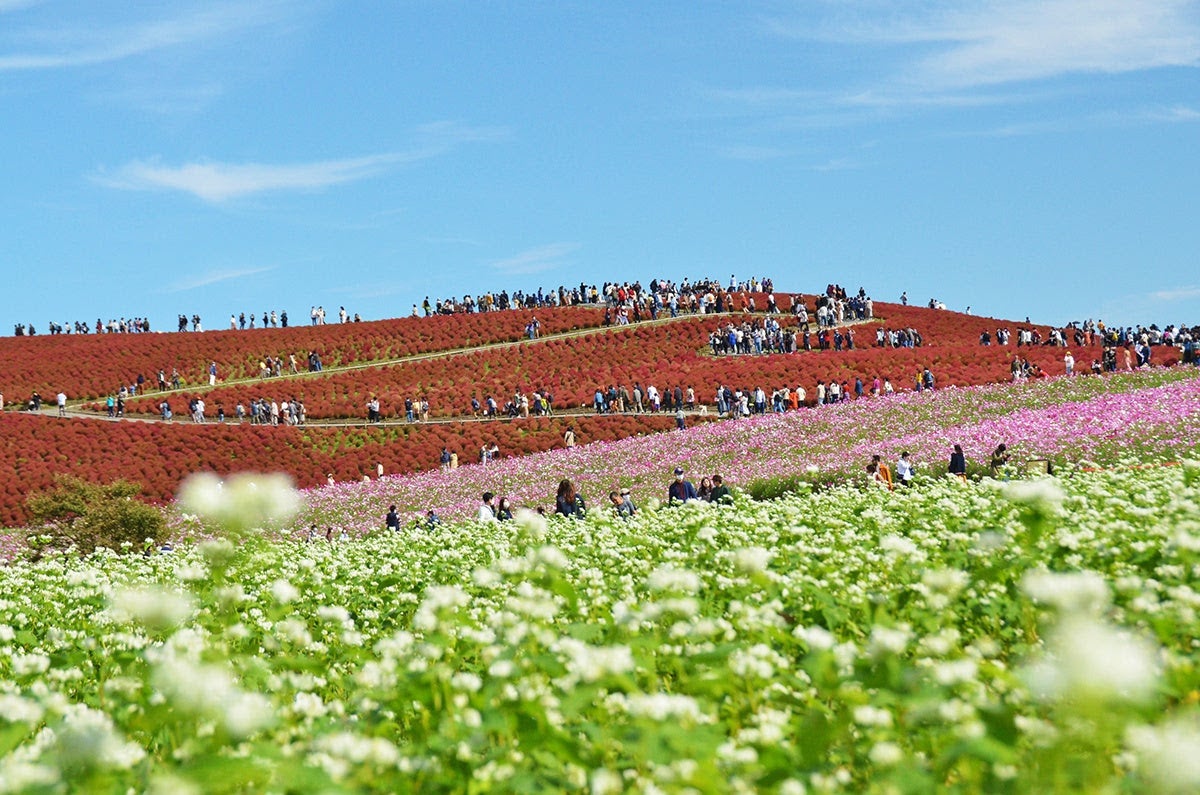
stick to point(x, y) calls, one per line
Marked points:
point(772, 488)
point(75, 513)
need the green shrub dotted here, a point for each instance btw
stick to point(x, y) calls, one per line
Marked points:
point(83, 515)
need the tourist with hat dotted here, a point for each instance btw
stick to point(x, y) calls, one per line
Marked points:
point(680, 490)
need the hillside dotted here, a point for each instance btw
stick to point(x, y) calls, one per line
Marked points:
point(444, 359)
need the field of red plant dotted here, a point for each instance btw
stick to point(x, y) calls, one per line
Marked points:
point(665, 355)
point(160, 455)
point(92, 365)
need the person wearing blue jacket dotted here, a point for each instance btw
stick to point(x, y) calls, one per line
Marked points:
point(680, 490)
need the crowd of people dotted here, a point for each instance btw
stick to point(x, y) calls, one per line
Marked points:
point(137, 325)
point(625, 301)
point(767, 335)
point(569, 501)
point(880, 474)
point(537, 403)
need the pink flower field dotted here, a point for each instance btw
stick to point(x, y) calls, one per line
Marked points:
point(1085, 421)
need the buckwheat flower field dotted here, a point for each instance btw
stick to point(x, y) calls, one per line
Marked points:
point(1023, 636)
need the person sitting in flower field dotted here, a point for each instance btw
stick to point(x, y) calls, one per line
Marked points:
point(624, 506)
point(999, 459)
point(487, 511)
point(568, 502)
point(680, 490)
point(883, 472)
point(958, 462)
point(720, 492)
point(904, 469)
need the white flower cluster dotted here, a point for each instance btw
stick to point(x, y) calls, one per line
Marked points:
point(439, 598)
point(209, 691)
point(586, 663)
point(152, 607)
point(1083, 592)
point(241, 502)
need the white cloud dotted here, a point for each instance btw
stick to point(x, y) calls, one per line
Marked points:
point(218, 182)
point(67, 47)
point(215, 277)
point(1004, 42)
point(534, 260)
point(1176, 294)
point(1175, 113)
point(973, 44)
point(837, 164)
point(751, 153)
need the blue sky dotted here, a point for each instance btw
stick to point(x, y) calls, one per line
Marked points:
point(1021, 157)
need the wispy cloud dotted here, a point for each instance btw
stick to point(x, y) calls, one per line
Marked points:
point(535, 260)
point(1175, 113)
point(1034, 39)
point(215, 277)
point(217, 182)
point(751, 153)
point(1176, 294)
point(13, 5)
point(970, 44)
point(837, 164)
point(67, 47)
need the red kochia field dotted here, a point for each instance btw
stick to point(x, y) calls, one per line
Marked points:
point(665, 355)
point(161, 455)
point(668, 354)
point(91, 365)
